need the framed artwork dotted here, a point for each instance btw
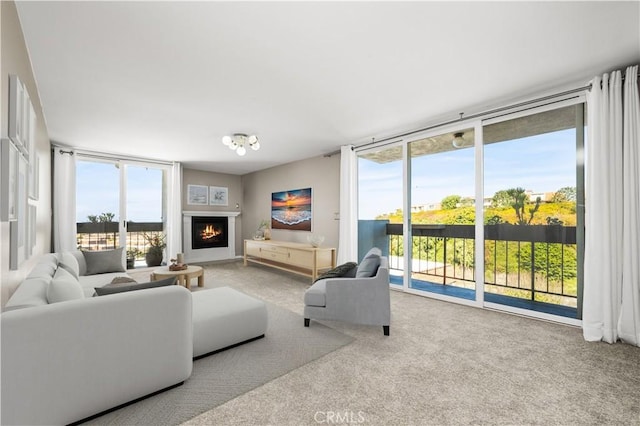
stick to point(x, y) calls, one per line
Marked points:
point(34, 176)
point(291, 210)
point(198, 195)
point(9, 178)
point(218, 196)
point(31, 229)
point(18, 228)
point(16, 111)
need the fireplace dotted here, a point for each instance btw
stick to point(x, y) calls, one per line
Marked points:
point(212, 247)
point(209, 232)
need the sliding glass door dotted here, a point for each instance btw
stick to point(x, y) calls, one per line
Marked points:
point(532, 180)
point(443, 213)
point(119, 204)
point(492, 210)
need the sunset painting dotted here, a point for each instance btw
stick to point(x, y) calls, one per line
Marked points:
point(291, 210)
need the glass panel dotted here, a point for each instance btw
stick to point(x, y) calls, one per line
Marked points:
point(144, 210)
point(530, 211)
point(443, 214)
point(380, 201)
point(97, 205)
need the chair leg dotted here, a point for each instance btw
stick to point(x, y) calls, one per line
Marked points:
point(385, 330)
point(306, 322)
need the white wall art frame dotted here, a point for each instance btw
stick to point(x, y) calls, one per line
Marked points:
point(218, 196)
point(8, 188)
point(18, 229)
point(34, 177)
point(198, 195)
point(16, 111)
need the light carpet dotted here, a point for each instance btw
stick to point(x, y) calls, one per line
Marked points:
point(220, 377)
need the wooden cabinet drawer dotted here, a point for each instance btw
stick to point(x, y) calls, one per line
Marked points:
point(275, 256)
point(267, 248)
point(252, 249)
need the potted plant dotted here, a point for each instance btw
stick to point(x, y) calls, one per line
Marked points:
point(132, 254)
point(156, 245)
point(265, 228)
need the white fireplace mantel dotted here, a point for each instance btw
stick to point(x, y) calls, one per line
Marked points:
point(210, 213)
point(208, 254)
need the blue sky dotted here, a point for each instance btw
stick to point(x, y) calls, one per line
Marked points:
point(542, 163)
point(97, 191)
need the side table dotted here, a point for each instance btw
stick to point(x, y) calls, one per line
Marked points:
point(183, 277)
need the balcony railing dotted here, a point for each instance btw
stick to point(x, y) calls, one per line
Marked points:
point(536, 262)
point(104, 235)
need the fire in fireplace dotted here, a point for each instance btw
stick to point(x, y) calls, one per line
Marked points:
point(209, 232)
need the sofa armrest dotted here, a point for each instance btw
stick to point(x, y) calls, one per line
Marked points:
point(66, 361)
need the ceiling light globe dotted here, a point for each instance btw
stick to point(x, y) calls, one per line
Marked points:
point(255, 146)
point(226, 140)
point(252, 139)
point(241, 151)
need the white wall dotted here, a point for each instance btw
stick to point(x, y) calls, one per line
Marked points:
point(14, 59)
point(321, 174)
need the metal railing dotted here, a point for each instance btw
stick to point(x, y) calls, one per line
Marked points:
point(105, 235)
point(538, 262)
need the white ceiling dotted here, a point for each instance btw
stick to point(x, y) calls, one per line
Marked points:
point(167, 80)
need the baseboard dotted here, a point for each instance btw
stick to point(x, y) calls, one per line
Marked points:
point(102, 413)
point(228, 347)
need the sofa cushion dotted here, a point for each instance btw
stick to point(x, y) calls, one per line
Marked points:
point(31, 292)
point(104, 261)
point(122, 287)
point(82, 263)
point(316, 295)
point(63, 287)
point(69, 262)
point(370, 264)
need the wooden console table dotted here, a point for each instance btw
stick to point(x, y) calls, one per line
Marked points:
point(298, 258)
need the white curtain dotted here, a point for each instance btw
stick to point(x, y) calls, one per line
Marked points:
point(348, 238)
point(629, 324)
point(611, 284)
point(174, 212)
point(64, 200)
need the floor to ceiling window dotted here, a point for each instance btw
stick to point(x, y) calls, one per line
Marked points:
point(119, 204)
point(491, 208)
point(380, 205)
point(443, 213)
point(531, 215)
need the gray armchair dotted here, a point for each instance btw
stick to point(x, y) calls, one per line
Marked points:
point(363, 299)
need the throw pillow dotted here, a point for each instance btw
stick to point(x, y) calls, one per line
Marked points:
point(122, 280)
point(370, 264)
point(82, 263)
point(64, 287)
point(102, 262)
point(339, 271)
point(121, 287)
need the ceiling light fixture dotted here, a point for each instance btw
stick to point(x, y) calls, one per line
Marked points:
point(238, 141)
point(458, 141)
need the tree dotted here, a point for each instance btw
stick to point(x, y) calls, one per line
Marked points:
point(102, 218)
point(519, 200)
point(501, 199)
point(568, 193)
point(450, 202)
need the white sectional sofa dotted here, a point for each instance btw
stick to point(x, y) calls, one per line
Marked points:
point(63, 362)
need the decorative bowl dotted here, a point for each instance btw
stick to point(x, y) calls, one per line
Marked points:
point(315, 240)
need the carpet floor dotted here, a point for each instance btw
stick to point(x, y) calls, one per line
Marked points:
point(443, 364)
point(225, 375)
